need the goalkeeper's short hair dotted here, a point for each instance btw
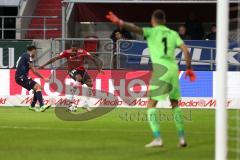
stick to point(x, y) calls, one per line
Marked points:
point(159, 15)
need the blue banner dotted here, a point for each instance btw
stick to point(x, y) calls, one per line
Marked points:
point(202, 87)
point(134, 55)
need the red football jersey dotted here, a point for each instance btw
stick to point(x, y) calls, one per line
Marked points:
point(75, 61)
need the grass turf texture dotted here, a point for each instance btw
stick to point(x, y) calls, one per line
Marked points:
point(120, 134)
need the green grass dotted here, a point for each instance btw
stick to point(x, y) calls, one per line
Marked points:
point(28, 135)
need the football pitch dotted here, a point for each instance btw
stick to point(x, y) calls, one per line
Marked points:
point(120, 134)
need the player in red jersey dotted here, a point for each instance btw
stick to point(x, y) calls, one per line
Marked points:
point(75, 64)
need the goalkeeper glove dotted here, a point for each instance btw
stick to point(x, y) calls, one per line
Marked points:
point(190, 73)
point(114, 19)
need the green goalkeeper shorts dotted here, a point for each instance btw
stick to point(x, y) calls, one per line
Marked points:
point(164, 82)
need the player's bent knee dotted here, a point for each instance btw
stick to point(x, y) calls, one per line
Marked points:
point(37, 87)
point(89, 83)
point(78, 78)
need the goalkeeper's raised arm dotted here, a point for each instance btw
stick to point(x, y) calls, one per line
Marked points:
point(126, 25)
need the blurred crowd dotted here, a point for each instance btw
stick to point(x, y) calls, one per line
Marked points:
point(191, 29)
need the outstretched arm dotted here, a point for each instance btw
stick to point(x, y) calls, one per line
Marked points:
point(126, 25)
point(33, 69)
point(50, 61)
point(132, 27)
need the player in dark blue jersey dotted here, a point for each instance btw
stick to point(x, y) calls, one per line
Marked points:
point(24, 64)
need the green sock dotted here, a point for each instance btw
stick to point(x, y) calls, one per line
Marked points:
point(178, 119)
point(153, 121)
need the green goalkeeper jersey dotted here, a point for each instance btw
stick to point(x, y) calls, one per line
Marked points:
point(162, 43)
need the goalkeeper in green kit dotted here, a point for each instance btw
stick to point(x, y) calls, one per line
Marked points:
point(162, 43)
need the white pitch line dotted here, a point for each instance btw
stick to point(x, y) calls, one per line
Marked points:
point(92, 130)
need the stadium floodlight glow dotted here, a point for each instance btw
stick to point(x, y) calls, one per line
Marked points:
point(221, 107)
point(146, 1)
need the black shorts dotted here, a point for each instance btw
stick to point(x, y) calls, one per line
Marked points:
point(85, 76)
point(25, 82)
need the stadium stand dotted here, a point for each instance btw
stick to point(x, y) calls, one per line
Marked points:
point(46, 8)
